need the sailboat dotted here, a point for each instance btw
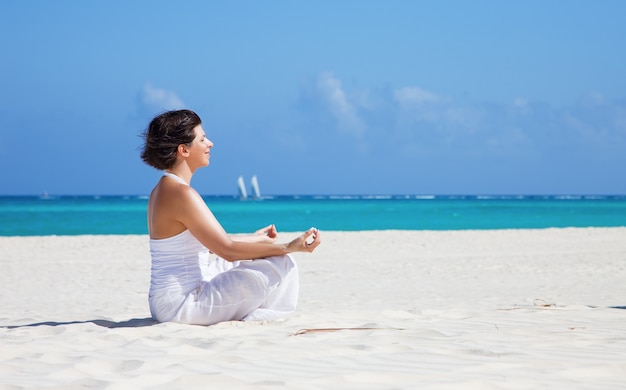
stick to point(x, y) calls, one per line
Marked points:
point(243, 194)
point(254, 184)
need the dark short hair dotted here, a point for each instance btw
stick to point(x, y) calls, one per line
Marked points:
point(165, 132)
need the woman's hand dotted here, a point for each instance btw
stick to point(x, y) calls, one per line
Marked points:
point(306, 242)
point(267, 234)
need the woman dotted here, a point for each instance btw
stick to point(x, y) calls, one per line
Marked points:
point(253, 277)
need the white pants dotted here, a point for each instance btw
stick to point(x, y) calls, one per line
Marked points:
point(263, 289)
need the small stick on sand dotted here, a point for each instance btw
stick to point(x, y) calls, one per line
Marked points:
point(320, 330)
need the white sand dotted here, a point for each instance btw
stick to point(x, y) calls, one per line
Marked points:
point(509, 309)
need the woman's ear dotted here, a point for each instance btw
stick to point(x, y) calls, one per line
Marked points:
point(183, 150)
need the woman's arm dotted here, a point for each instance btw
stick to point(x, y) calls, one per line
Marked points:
point(196, 216)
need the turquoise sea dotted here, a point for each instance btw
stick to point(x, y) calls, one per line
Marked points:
point(74, 215)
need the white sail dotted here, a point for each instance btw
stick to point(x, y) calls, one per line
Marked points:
point(243, 194)
point(254, 183)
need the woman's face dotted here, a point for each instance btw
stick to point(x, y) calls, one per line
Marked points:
point(200, 150)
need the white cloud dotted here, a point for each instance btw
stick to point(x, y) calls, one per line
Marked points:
point(419, 105)
point(414, 96)
point(340, 107)
point(593, 99)
point(464, 117)
point(409, 116)
point(158, 99)
point(520, 103)
point(597, 120)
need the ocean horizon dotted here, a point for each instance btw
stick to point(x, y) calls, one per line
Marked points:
point(126, 214)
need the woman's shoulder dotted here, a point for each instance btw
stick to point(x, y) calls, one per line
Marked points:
point(171, 207)
point(183, 198)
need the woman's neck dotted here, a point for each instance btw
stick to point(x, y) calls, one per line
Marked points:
point(182, 171)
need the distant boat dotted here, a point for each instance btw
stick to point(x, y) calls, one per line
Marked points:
point(243, 194)
point(44, 195)
point(254, 184)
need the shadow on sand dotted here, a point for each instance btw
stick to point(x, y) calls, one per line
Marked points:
point(132, 323)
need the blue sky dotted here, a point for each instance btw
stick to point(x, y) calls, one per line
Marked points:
point(319, 97)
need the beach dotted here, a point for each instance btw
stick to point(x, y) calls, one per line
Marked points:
point(469, 309)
